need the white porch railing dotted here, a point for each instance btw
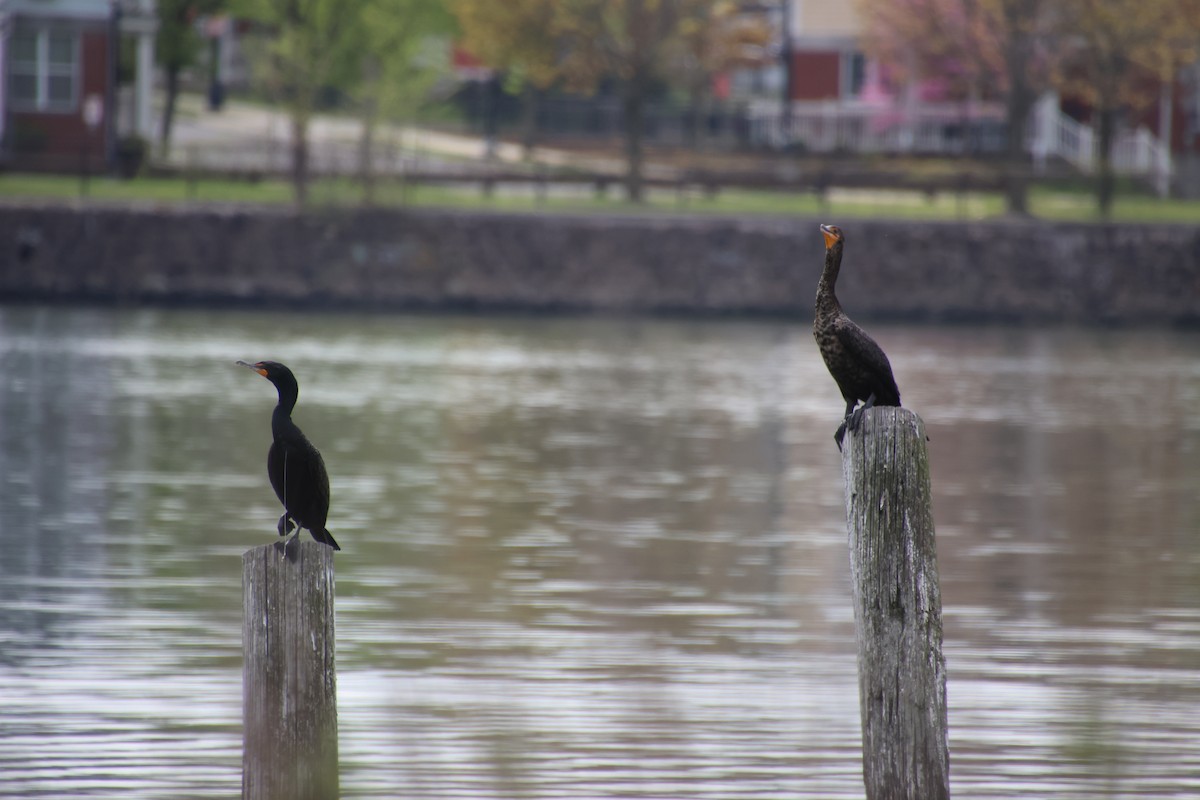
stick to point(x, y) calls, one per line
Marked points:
point(1134, 152)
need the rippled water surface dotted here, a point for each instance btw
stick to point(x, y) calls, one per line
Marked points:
point(590, 558)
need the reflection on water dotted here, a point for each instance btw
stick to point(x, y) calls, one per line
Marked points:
point(590, 558)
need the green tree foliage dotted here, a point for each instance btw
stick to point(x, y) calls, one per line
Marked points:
point(524, 39)
point(305, 46)
point(363, 49)
point(177, 46)
point(396, 62)
point(521, 36)
point(712, 41)
point(631, 40)
point(641, 44)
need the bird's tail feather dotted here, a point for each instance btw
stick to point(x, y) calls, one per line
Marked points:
point(325, 537)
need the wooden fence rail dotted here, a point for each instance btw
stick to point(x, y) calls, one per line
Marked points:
point(709, 182)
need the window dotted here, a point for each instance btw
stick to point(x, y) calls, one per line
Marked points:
point(854, 73)
point(42, 69)
point(23, 68)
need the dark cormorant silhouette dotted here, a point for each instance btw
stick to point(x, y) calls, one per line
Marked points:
point(294, 465)
point(855, 361)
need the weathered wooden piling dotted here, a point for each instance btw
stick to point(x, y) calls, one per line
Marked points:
point(897, 608)
point(289, 687)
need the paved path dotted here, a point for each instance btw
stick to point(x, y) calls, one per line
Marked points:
point(244, 135)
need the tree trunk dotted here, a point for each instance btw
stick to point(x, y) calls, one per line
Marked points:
point(1016, 185)
point(1016, 182)
point(1018, 104)
point(491, 116)
point(368, 125)
point(168, 114)
point(300, 159)
point(531, 102)
point(695, 115)
point(366, 158)
point(634, 126)
point(1105, 180)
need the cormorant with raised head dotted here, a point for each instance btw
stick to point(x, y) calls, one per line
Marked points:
point(294, 465)
point(855, 361)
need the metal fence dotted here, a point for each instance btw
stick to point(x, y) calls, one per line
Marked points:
point(604, 118)
point(815, 127)
point(852, 127)
point(950, 129)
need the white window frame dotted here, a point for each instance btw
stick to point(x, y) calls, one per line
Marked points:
point(42, 69)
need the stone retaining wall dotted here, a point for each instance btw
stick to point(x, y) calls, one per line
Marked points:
point(979, 271)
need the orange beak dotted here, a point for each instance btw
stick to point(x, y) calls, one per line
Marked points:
point(830, 236)
point(255, 367)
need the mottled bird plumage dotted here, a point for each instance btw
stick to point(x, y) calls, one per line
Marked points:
point(857, 363)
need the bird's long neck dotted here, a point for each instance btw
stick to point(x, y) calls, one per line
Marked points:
point(281, 417)
point(827, 302)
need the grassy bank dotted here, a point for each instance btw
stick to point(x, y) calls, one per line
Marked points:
point(1046, 203)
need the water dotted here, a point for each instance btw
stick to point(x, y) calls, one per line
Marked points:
point(590, 558)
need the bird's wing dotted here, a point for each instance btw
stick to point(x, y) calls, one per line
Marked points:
point(319, 479)
point(275, 469)
point(867, 353)
point(298, 475)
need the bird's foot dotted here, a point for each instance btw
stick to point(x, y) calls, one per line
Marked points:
point(291, 547)
point(286, 523)
point(854, 418)
point(839, 434)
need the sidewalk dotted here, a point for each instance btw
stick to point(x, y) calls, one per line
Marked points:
point(242, 134)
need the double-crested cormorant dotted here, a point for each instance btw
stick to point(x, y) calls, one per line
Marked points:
point(295, 467)
point(855, 361)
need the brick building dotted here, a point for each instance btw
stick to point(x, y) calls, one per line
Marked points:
point(62, 102)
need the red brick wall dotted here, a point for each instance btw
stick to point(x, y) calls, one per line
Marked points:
point(815, 75)
point(61, 140)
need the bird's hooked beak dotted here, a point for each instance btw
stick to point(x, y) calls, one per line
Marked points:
point(259, 369)
point(831, 236)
